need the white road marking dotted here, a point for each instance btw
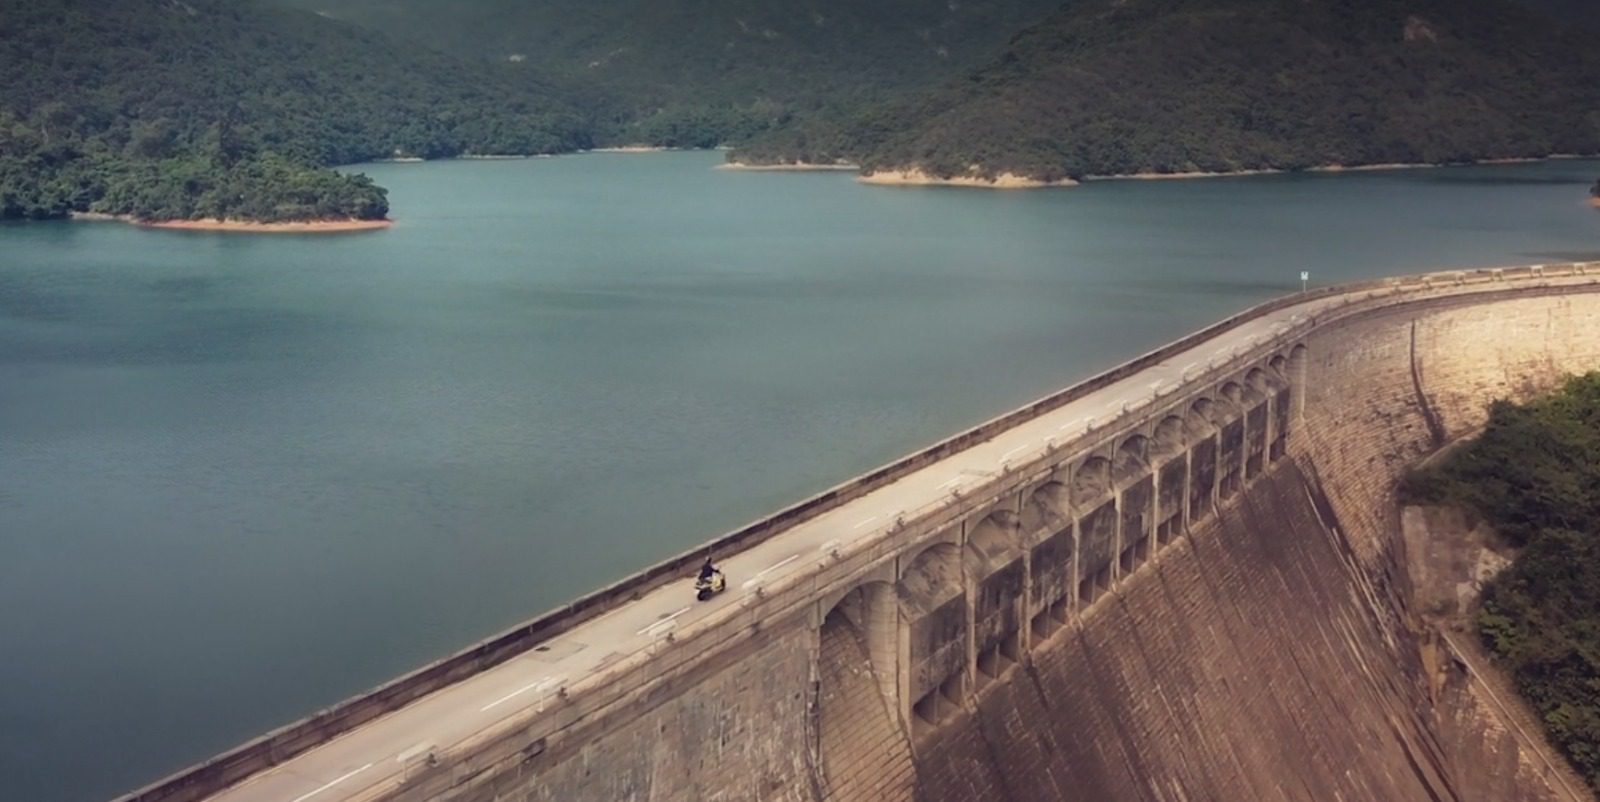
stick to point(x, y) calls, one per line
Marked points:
point(953, 480)
point(864, 522)
point(1190, 365)
point(1017, 450)
point(1065, 426)
point(541, 684)
point(650, 630)
point(769, 569)
point(414, 751)
point(829, 546)
point(304, 797)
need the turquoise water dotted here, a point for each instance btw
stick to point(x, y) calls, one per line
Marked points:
point(245, 476)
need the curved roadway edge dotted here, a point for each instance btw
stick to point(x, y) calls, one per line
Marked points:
point(561, 668)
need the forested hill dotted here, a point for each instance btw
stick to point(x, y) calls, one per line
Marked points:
point(707, 72)
point(1127, 86)
point(166, 109)
point(1580, 12)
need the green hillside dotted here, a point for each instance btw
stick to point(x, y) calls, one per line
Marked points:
point(167, 109)
point(1127, 86)
point(1581, 12)
point(705, 72)
point(1534, 476)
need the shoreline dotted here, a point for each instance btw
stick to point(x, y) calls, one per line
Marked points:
point(242, 226)
point(918, 178)
point(788, 167)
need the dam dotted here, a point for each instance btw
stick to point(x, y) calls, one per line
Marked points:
point(1178, 580)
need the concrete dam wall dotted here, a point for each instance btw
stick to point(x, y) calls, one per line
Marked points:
point(1196, 595)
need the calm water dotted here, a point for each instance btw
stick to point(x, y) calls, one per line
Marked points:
point(242, 477)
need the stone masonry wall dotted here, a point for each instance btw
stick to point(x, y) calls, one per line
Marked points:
point(865, 752)
point(742, 732)
point(1366, 421)
point(1242, 664)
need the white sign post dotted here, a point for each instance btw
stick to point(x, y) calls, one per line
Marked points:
point(1305, 276)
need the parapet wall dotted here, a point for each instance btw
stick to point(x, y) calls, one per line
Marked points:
point(1032, 555)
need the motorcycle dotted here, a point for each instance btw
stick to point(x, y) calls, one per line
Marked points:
point(706, 587)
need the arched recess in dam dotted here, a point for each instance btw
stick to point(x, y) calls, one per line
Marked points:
point(857, 671)
point(1169, 453)
point(1135, 501)
point(1230, 444)
point(1257, 392)
point(995, 566)
point(1282, 406)
point(934, 611)
point(1097, 528)
point(1046, 523)
point(1202, 422)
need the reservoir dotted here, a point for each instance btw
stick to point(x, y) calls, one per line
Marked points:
point(245, 476)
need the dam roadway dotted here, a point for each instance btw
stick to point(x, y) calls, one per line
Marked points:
point(376, 755)
point(1093, 538)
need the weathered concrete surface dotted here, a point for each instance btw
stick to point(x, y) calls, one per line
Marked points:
point(1246, 663)
point(743, 735)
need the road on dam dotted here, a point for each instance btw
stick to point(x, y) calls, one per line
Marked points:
point(380, 751)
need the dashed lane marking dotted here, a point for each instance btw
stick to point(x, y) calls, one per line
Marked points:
point(653, 628)
point(769, 569)
point(539, 685)
point(304, 797)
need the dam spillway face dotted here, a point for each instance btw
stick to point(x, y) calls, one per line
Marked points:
point(1200, 598)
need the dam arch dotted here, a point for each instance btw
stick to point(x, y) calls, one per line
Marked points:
point(1201, 421)
point(1230, 444)
point(1047, 525)
point(856, 688)
point(1135, 502)
point(995, 566)
point(934, 610)
point(1170, 455)
point(1094, 500)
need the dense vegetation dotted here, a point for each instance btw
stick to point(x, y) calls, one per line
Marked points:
point(1535, 475)
point(183, 108)
point(1127, 86)
point(168, 109)
point(1581, 12)
point(707, 72)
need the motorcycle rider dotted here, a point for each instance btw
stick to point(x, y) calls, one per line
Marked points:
point(707, 570)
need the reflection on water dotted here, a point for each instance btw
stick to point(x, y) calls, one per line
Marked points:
point(244, 476)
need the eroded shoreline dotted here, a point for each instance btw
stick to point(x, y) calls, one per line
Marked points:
point(918, 178)
point(915, 177)
point(789, 167)
point(244, 226)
